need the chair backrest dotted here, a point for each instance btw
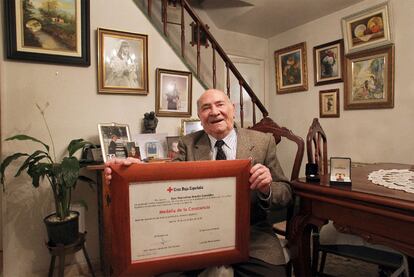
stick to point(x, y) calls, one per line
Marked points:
point(317, 147)
point(267, 125)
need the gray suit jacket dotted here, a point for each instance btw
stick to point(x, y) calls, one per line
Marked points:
point(261, 148)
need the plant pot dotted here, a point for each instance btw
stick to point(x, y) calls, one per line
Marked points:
point(62, 232)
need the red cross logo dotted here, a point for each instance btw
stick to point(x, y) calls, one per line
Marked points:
point(169, 189)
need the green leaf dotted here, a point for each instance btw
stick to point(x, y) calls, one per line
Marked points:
point(33, 158)
point(70, 171)
point(6, 162)
point(25, 137)
point(37, 171)
point(77, 144)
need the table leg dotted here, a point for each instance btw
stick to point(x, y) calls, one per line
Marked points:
point(87, 260)
point(61, 265)
point(52, 266)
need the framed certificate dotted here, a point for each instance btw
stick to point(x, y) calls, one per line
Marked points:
point(179, 216)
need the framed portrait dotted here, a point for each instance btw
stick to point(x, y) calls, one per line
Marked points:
point(291, 69)
point(194, 35)
point(114, 140)
point(329, 103)
point(173, 93)
point(152, 145)
point(172, 146)
point(367, 29)
point(328, 62)
point(132, 150)
point(370, 79)
point(48, 31)
point(189, 126)
point(122, 62)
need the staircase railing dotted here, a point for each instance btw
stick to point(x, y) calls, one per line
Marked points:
point(201, 28)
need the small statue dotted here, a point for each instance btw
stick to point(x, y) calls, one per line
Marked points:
point(150, 123)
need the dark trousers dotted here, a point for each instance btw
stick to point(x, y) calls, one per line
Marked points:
point(251, 268)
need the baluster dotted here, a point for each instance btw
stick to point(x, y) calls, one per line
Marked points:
point(164, 16)
point(228, 80)
point(149, 7)
point(214, 65)
point(182, 29)
point(241, 103)
point(254, 110)
point(198, 49)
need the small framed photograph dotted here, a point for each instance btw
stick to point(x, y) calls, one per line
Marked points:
point(172, 147)
point(132, 150)
point(152, 149)
point(328, 61)
point(122, 62)
point(114, 140)
point(189, 126)
point(172, 11)
point(340, 172)
point(329, 103)
point(370, 79)
point(367, 29)
point(194, 35)
point(291, 69)
point(173, 93)
point(59, 34)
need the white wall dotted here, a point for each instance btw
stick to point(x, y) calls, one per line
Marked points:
point(381, 135)
point(75, 110)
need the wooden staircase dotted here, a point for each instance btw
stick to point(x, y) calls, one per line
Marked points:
point(192, 41)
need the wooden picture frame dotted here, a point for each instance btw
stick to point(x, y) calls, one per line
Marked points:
point(370, 79)
point(122, 62)
point(194, 35)
point(340, 171)
point(369, 28)
point(114, 139)
point(172, 146)
point(329, 103)
point(173, 93)
point(191, 125)
point(28, 27)
point(168, 206)
point(291, 69)
point(328, 62)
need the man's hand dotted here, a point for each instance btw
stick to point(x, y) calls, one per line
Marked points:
point(126, 162)
point(260, 178)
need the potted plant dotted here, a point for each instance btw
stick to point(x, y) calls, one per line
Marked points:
point(62, 175)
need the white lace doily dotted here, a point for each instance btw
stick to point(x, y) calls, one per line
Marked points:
point(400, 179)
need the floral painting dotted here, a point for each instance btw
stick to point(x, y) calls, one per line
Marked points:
point(328, 62)
point(291, 70)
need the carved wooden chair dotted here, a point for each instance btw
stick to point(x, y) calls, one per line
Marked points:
point(267, 125)
point(328, 239)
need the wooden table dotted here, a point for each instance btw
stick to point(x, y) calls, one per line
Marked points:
point(378, 214)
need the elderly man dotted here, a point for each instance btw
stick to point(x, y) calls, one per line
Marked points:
point(220, 139)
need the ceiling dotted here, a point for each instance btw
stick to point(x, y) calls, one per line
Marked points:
point(267, 18)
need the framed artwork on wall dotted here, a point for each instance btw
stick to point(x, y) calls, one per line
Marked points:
point(367, 29)
point(291, 69)
point(172, 146)
point(189, 126)
point(114, 140)
point(328, 60)
point(122, 62)
point(48, 31)
point(173, 93)
point(370, 79)
point(329, 103)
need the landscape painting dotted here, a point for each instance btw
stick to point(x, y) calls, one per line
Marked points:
point(58, 29)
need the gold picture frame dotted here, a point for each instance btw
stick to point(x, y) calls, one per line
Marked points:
point(329, 103)
point(122, 62)
point(189, 126)
point(369, 28)
point(173, 93)
point(370, 79)
point(291, 69)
